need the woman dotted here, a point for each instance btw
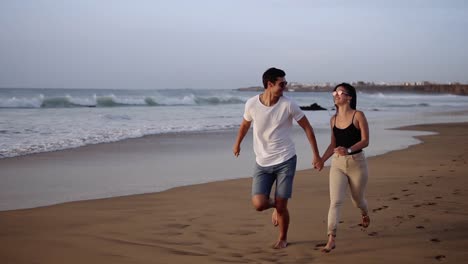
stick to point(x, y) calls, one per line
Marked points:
point(350, 134)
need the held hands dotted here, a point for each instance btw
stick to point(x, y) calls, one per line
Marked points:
point(318, 163)
point(341, 151)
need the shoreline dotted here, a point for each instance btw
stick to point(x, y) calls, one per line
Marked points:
point(145, 158)
point(416, 209)
point(152, 164)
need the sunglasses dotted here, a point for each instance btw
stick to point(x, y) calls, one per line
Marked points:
point(283, 84)
point(340, 92)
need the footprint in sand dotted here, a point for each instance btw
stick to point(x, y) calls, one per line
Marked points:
point(404, 190)
point(409, 194)
point(395, 198)
point(320, 245)
point(178, 226)
point(435, 240)
point(373, 234)
point(428, 185)
point(438, 197)
point(419, 205)
point(420, 227)
point(415, 182)
point(241, 232)
point(380, 208)
point(401, 219)
point(439, 257)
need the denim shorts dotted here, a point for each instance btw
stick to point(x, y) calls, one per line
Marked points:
point(283, 174)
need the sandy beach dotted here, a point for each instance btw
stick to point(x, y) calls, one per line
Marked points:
point(417, 199)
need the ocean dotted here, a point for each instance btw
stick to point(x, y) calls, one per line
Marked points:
point(42, 120)
point(195, 130)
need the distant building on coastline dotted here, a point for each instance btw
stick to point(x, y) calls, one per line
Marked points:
point(371, 87)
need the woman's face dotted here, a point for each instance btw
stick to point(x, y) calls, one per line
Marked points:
point(341, 96)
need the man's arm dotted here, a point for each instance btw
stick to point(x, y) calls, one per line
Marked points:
point(243, 129)
point(304, 123)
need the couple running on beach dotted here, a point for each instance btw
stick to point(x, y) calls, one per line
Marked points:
point(272, 116)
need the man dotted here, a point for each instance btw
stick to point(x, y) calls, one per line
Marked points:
point(272, 115)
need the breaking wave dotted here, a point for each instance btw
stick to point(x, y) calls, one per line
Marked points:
point(68, 101)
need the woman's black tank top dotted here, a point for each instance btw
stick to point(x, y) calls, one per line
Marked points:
point(347, 137)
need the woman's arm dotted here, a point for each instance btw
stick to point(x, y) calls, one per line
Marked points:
point(364, 128)
point(329, 152)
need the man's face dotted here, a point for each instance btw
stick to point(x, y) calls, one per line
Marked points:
point(279, 86)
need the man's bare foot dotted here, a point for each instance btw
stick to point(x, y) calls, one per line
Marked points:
point(365, 221)
point(274, 218)
point(280, 244)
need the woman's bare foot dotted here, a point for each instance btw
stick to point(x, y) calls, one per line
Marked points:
point(280, 244)
point(365, 221)
point(274, 218)
point(330, 244)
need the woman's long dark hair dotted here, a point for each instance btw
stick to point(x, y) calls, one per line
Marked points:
point(349, 90)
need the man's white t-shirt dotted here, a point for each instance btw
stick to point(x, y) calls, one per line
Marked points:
point(272, 127)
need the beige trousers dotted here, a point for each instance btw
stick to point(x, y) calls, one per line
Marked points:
point(350, 170)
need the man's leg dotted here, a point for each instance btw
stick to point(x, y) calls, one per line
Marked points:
point(284, 182)
point(282, 214)
point(274, 218)
point(262, 182)
point(262, 202)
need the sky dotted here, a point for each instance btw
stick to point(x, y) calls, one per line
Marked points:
point(228, 44)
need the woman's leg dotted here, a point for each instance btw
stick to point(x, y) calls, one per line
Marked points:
point(358, 177)
point(338, 186)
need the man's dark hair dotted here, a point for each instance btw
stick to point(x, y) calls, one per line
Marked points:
point(271, 75)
